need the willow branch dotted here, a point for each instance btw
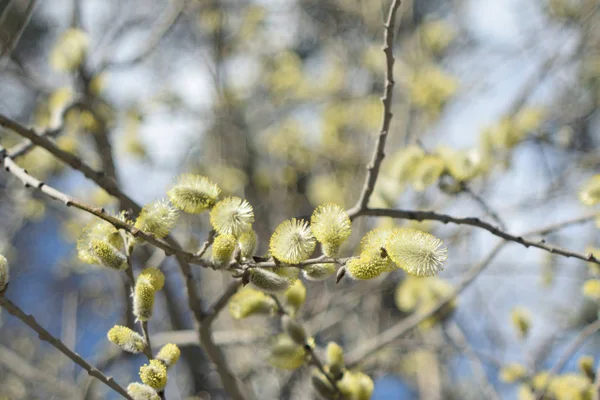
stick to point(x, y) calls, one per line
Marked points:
point(478, 223)
point(12, 42)
point(104, 181)
point(160, 29)
point(44, 335)
point(379, 152)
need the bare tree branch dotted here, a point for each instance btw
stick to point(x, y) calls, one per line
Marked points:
point(379, 152)
point(476, 222)
point(44, 335)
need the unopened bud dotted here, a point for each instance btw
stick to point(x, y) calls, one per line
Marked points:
point(294, 330)
point(268, 281)
point(143, 299)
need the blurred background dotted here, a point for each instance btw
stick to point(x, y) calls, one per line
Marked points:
point(495, 116)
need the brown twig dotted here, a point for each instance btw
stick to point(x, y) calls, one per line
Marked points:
point(314, 357)
point(476, 222)
point(44, 335)
point(568, 353)
point(379, 152)
point(12, 42)
point(160, 29)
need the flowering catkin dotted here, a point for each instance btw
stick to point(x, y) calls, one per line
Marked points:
point(95, 240)
point(418, 253)
point(222, 249)
point(590, 192)
point(194, 193)
point(292, 242)
point(232, 216)
point(126, 339)
point(169, 354)
point(139, 391)
point(154, 374)
point(157, 218)
point(154, 276)
point(143, 299)
point(108, 255)
point(247, 302)
point(247, 243)
point(331, 226)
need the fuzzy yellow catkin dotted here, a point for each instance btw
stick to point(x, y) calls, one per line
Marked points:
point(268, 281)
point(356, 385)
point(247, 302)
point(169, 354)
point(232, 216)
point(126, 339)
point(335, 358)
point(140, 391)
point(292, 241)
point(154, 276)
point(418, 253)
point(586, 366)
point(368, 266)
point(521, 320)
point(69, 50)
point(222, 249)
point(143, 299)
point(154, 374)
point(331, 226)
point(194, 193)
point(247, 243)
point(4, 272)
point(285, 353)
point(513, 372)
point(157, 218)
point(295, 296)
point(108, 255)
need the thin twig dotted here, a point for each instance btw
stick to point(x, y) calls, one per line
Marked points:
point(12, 43)
point(460, 341)
point(207, 243)
point(314, 357)
point(484, 205)
point(106, 182)
point(22, 368)
point(44, 335)
point(583, 336)
point(476, 222)
point(160, 29)
point(379, 152)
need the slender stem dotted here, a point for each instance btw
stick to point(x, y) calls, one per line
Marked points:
point(386, 100)
point(476, 222)
point(44, 335)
